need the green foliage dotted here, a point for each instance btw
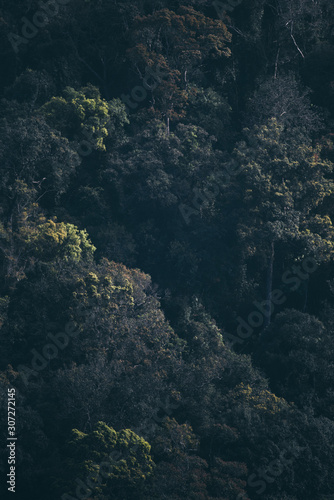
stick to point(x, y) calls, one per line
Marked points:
point(35, 240)
point(296, 353)
point(263, 401)
point(44, 161)
point(280, 192)
point(208, 108)
point(85, 114)
point(94, 455)
point(137, 368)
point(53, 240)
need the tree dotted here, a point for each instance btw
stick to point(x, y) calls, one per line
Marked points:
point(177, 43)
point(210, 109)
point(296, 355)
point(181, 472)
point(84, 113)
point(281, 98)
point(107, 462)
point(277, 202)
point(171, 174)
point(34, 154)
point(35, 240)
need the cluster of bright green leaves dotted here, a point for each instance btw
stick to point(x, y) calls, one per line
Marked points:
point(53, 240)
point(260, 400)
point(83, 114)
point(34, 239)
point(117, 462)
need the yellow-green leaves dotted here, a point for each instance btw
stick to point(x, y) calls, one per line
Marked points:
point(84, 114)
point(117, 461)
point(60, 240)
point(261, 400)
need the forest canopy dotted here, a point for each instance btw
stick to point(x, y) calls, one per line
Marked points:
point(166, 249)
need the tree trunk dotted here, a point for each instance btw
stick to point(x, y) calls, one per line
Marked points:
point(306, 294)
point(267, 319)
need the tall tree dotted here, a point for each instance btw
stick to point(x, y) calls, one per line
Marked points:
point(277, 202)
point(179, 43)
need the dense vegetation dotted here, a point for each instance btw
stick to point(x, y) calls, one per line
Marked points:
point(166, 248)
